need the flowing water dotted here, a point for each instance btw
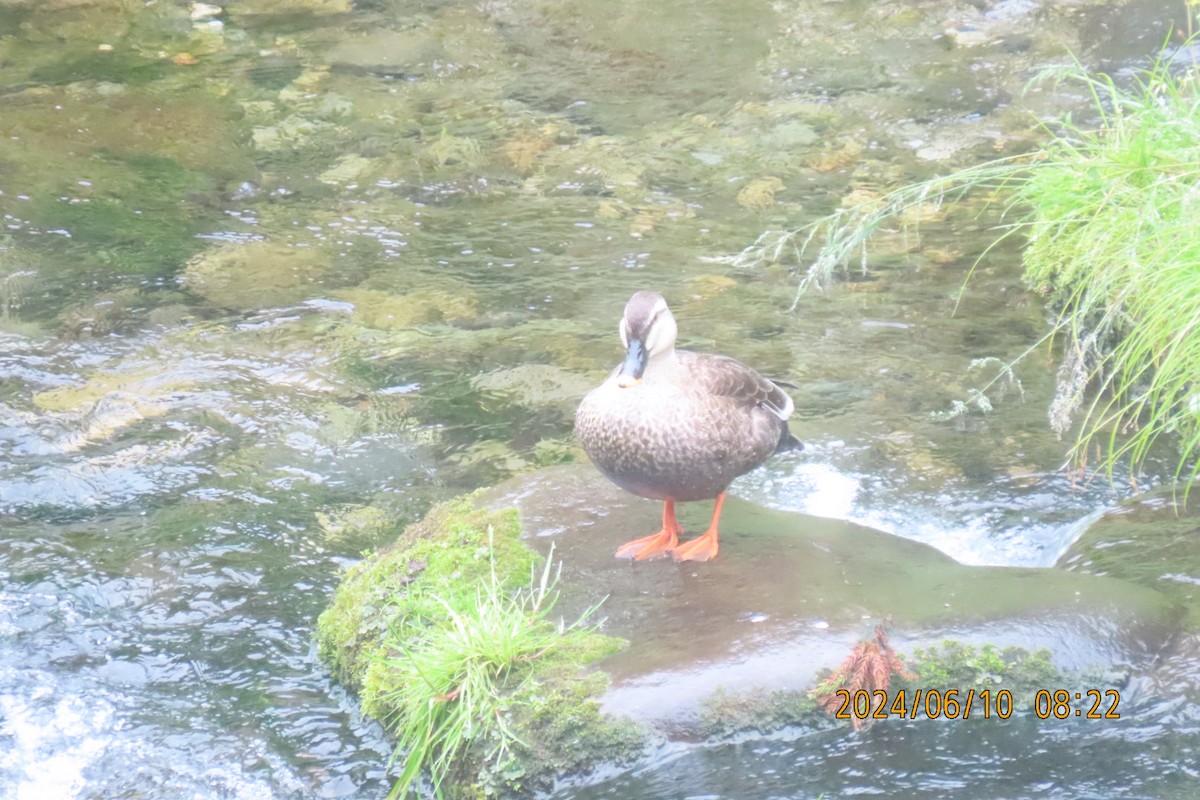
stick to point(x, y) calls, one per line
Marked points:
point(265, 267)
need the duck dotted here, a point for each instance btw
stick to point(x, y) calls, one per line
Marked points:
point(678, 426)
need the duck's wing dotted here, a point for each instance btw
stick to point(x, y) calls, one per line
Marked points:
point(727, 377)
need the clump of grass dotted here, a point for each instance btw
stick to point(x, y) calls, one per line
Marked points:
point(451, 684)
point(1112, 238)
point(1108, 214)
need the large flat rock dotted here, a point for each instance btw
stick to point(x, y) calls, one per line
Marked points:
point(790, 594)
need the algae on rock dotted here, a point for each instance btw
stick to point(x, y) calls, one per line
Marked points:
point(433, 573)
point(389, 311)
point(256, 274)
point(957, 665)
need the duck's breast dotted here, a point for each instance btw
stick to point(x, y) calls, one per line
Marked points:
point(673, 442)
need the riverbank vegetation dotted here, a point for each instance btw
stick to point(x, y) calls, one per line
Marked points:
point(1107, 214)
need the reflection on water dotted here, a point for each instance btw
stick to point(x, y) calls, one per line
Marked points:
point(260, 271)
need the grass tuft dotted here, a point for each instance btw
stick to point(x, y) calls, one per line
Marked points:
point(1111, 240)
point(451, 684)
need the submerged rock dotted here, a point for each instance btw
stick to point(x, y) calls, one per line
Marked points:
point(349, 168)
point(101, 315)
point(108, 403)
point(294, 132)
point(536, 386)
point(388, 311)
point(347, 519)
point(108, 6)
point(405, 52)
point(759, 194)
point(238, 8)
point(255, 275)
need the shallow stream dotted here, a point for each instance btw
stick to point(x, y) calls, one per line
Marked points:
point(264, 267)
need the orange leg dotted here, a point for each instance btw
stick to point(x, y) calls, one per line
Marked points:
point(704, 546)
point(656, 543)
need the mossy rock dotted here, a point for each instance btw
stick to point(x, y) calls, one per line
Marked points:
point(112, 6)
point(535, 386)
point(759, 710)
point(254, 275)
point(130, 144)
point(385, 311)
point(146, 388)
point(135, 128)
point(444, 554)
point(293, 133)
point(349, 519)
point(388, 51)
point(75, 21)
point(437, 564)
point(100, 315)
point(350, 168)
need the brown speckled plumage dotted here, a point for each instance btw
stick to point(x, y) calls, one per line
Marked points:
point(693, 422)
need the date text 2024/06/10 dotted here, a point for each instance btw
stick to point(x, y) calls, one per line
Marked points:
point(985, 703)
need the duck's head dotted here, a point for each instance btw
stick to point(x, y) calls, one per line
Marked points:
point(647, 330)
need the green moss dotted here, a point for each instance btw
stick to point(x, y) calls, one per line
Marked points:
point(123, 66)
point(120, 237)
point(387, 311)
point(434, 570)
point(760, 710)
point(445, 554)
point(562, 727)
point(955, 665)
point(256, 274)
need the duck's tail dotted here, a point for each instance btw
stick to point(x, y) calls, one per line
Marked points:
point(788, 442)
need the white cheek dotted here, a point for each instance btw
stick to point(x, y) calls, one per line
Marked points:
point(623, 329)
point(661, 336)
point(652, 337)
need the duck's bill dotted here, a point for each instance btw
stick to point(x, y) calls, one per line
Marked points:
point(634, 364)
